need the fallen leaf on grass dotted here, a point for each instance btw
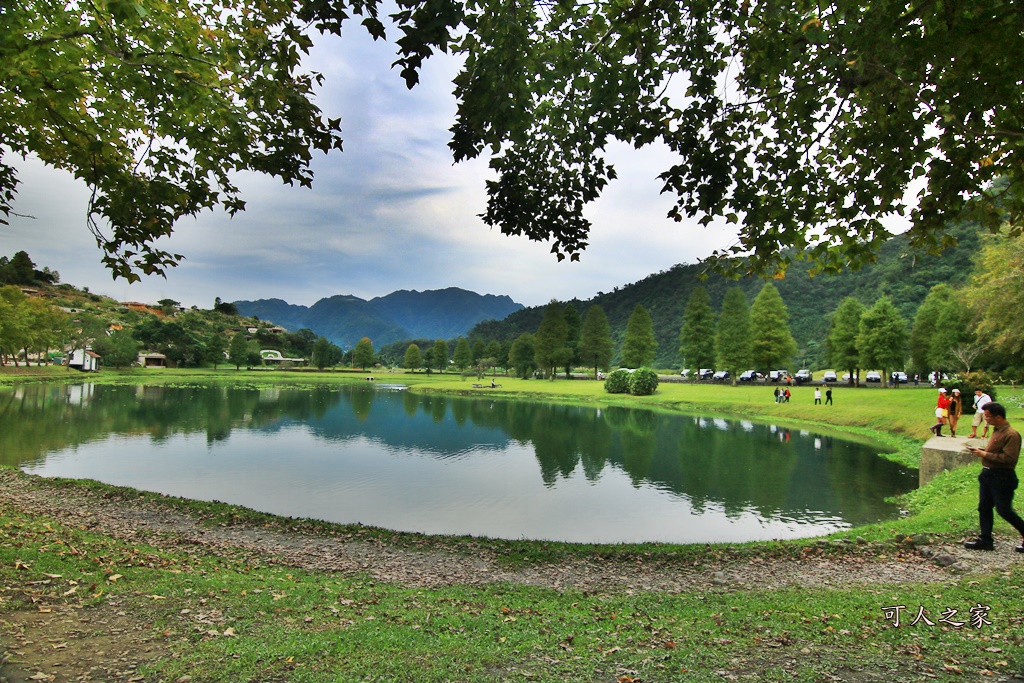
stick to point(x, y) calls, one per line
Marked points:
point(157, 597)
point(114, 577)
point(41, 677)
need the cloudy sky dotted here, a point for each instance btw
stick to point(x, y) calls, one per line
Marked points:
point(390, 212)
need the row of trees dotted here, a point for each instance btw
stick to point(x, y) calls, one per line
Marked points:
point(30, 325)
point(742, 336)
point(976, 325)
point(955, 329)
point(564, 341)
point(861, 337)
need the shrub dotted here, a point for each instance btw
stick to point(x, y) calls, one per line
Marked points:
point(968, 382)
point(643, 382)
point(617, 382)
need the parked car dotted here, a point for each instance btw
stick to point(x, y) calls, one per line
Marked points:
point(705, 373)
point(830, 376)
point(899, 377)
point(846, 377)
point(873, 376)
point(803, 376)
point(685, 374)
point(778, 375)
point(720, 376)
point(751, 376)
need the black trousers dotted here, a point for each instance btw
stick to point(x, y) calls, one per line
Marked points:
point(995, 491)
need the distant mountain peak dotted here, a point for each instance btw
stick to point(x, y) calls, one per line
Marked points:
point(404, 314)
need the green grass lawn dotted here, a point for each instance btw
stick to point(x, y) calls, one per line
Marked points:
point(266, 622)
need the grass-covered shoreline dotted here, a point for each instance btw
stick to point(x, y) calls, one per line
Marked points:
point(263, 619)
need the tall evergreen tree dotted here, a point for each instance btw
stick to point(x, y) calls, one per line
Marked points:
point(549, 345)
point(882, 342)
point(926, 322)
point(573, 323)
point(439, 355)
point(596, 348)
point(697, 335)
point(639, 346)
point(841, 342)
point(772, 342)
point(463, 356)
point(521, 355)
point(732, 336)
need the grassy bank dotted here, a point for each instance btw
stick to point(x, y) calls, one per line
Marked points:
point(223, 614)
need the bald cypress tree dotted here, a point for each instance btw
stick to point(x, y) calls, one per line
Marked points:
point(772, 343)
point(697, 335)
point(732, 335)
point(639, 346)
point(596, 348)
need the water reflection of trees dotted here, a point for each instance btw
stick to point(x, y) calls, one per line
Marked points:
point(45, 418)
point(710, 462)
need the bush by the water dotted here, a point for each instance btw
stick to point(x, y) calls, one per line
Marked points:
point(617, 382)
point(640, 382)
point(643, 382)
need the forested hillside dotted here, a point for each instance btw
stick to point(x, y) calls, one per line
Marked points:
point(902, 274)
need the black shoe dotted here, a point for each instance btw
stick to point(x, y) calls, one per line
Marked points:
point(980, 544)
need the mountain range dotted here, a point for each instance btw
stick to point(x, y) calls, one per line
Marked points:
point(345, 319)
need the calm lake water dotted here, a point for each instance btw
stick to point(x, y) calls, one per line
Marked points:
point(443, 465)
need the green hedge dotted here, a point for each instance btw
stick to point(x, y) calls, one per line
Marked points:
point(617, 382)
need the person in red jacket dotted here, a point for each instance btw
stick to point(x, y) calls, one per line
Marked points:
point(941, 413)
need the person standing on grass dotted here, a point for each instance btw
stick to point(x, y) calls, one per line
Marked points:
point(828, 396)
point(817, 397)
point(956, 408)
point(998, 478)
point(981, 399)
point(941, 412)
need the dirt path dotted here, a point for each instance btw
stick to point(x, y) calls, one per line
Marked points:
point(48, 644)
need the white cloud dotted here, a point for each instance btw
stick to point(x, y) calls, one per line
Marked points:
point(390, 212)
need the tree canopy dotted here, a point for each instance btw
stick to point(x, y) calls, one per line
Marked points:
point(733, 334)
point(772, 342)
point(844, 328)
point(596, 348)
point(639, 345)
point(882, 340)
point(804, 123)
point(697, 335)
point(156, 106)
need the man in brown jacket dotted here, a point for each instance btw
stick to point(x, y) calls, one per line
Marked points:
point(998, 478)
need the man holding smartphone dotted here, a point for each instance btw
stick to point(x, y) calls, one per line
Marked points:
point(998, 478)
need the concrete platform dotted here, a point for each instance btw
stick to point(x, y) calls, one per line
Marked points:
point(942, 453)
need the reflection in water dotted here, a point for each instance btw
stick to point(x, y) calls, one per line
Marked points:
point(436, 464)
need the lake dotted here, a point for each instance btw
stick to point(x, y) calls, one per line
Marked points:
point(449, 465)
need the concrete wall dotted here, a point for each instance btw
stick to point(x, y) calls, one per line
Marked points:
point(942, 453)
